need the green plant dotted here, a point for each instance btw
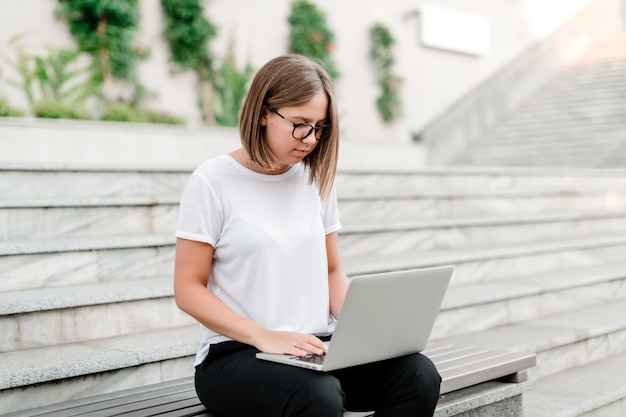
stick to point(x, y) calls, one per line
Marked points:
point(23, 64)
point(188, 33)
point(230, 88)
point(55, 109)
point(105, 29)
point(121, 112)
point(163, 118)
point(388, 103)
point(310, 36)
point(126, 112)
point(61, 80)
point(53, 83)
point(7, 111)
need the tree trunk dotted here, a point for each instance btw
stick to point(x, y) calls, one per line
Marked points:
point(103, 52)
point(205, 92)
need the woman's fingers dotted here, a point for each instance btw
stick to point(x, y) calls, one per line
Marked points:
point(309, 344)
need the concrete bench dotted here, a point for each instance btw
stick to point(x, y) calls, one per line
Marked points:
point(473, 378)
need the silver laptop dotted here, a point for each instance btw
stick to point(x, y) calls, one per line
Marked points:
point(384, 315)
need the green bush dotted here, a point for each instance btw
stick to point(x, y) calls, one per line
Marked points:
point(309, 34)
point(7, 111)
point(124, 112)
point(121, 112)
point(388, 103)
point(188, 33)
point(54, 109)
point(105, 29)
point(163, 118)
point(230, 87)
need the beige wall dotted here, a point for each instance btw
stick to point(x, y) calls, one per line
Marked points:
point(433, 79)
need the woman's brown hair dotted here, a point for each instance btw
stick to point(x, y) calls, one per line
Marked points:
point(291, 80)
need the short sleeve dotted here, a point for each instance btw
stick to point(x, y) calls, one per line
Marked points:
point(200, 216)
point(331, 213)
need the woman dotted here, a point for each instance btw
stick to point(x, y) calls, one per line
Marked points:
point(257, 263)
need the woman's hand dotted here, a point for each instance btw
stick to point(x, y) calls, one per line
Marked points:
point(290, 343)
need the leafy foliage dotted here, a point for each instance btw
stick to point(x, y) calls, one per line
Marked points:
point(230, 87)
point(188, 34)
point(310, 36)
point(61, 80)
point(6, 110)
point(105, 29)
point(54, 85)
point(125, 112)
point(388, 103)
point(23, 65)
point(221, 90)
point(55, 109)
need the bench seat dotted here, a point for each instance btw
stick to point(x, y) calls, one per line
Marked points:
point(478, 370)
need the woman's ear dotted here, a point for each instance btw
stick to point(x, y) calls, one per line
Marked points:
point(263, 116)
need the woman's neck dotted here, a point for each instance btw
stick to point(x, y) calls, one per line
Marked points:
point(241, 156)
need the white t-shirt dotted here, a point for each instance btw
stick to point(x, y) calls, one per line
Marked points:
point(268, 231)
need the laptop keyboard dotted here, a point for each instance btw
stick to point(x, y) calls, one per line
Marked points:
point(311, 358)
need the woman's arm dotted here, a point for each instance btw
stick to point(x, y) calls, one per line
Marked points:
point(191, 275)
point(337, 279)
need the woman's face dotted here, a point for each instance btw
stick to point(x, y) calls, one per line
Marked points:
point(278, 130)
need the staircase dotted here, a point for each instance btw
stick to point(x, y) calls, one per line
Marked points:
point(86, 260)
point(577, 120)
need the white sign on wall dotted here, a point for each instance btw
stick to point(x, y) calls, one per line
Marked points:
point(455, 30)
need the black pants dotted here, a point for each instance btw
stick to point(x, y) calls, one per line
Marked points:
point(232, 382)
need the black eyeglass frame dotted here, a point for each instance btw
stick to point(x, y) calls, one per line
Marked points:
point(297, 125)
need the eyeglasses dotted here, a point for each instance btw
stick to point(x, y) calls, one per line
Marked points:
point(302, 131)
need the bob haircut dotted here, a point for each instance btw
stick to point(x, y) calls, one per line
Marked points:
point(291, 80)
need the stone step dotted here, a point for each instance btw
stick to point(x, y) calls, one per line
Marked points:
point(455, 179)
point(77, 261)
point(32, 376)
point(565, 93)
point(84, 218)
point(569, 125)
point(388, 238)
point(107, 216)
point(575, 120)
point(87, 217)
point(544, 140)
point(597, 80)
point(561, 342)
point(54, 181)
point(131, 145)
point(604, 131)
point(54, 316)
point(541, 149)
point(586, 73)
point(579, 151)
point(601, 99)
point(481, 306)
point(602, 161)
point(380, 205)
point(58, 262)
point(577, 158)
point(491, 263)
point(596, 389)
point(19, 181)
point(611, 157)
point(125, 145)
point(577, 144)
point(593, 99)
